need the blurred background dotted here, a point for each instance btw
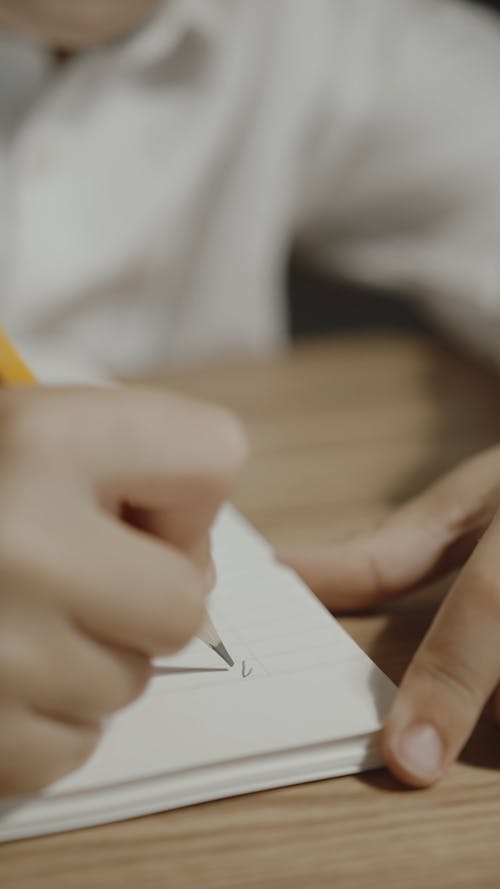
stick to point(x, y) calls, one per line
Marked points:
point(317, 305)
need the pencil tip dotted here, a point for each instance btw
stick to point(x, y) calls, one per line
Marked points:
point(222, 651)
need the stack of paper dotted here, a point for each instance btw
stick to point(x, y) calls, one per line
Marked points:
point(302, 702)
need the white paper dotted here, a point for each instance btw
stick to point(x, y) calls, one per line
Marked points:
point(302, 702)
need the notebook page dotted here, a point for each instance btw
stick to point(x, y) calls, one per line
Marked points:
point(261, 611)
point(298, 680)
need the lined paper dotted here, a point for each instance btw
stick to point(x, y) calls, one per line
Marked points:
point(302, 702)
point(266, 618)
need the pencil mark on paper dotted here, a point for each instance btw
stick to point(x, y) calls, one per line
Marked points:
point(245, 671)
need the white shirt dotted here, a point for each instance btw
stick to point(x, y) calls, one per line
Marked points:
point(150, 191)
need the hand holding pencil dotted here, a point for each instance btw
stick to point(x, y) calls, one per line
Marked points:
point(15, 372)
point(86, 598)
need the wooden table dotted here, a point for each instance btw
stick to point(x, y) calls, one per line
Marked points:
point(340, 431)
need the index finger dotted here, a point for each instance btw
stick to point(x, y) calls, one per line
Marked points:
point(148, 448)
point(454, 672)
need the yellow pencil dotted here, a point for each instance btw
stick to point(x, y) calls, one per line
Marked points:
point(14, 372)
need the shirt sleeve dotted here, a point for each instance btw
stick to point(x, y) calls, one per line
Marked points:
point(403, 189)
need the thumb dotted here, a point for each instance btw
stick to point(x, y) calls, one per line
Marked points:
point(366, 570)
point(422, 540)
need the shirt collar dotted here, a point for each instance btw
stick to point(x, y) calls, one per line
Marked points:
point(169, 26)
point(26, 68)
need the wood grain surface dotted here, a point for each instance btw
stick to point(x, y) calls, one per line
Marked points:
point(341, 430)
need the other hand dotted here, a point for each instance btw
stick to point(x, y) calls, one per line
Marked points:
point(455, 673)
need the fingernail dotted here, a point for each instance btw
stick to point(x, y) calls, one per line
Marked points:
point(420, 751)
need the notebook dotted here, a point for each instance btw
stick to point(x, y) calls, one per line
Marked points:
point(302, 703)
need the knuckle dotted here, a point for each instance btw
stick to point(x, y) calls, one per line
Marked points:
point(457, 678)
point(451, 512)
point(31, 559)
point(24, 420)
point(456, 509)
point(18, 660)
point(378, 571)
